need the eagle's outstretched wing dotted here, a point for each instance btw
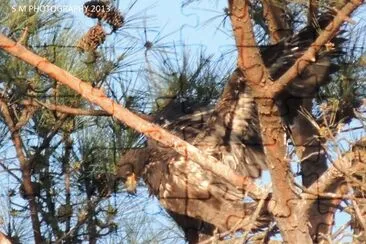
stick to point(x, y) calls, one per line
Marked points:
point(228, 130)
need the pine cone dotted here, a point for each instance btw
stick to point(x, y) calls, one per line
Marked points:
point(92, 39)
point(93, 9)
point(64, 212)
point(105, 12)
point(114, 18)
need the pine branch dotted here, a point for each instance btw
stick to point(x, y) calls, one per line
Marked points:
point(65, 109)
point(249, 58)
point(250, 62)
point(151, 130)
point(4, 239)
point(274, 13)
point(310, 55)
point(26, 171)
point(343, 167)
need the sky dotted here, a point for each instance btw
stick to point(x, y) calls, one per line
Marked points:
point(194, 25)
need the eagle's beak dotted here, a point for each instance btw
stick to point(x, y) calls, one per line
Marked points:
point(131, 183)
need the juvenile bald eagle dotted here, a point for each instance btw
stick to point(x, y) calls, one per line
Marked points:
point(196, 198)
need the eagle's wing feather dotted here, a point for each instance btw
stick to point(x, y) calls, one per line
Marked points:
point(232, 132)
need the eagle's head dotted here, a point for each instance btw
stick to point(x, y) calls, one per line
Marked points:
point(131, 166)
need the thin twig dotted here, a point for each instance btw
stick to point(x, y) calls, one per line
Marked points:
point(253, 218)
point(360, 218)
point(341, 229)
